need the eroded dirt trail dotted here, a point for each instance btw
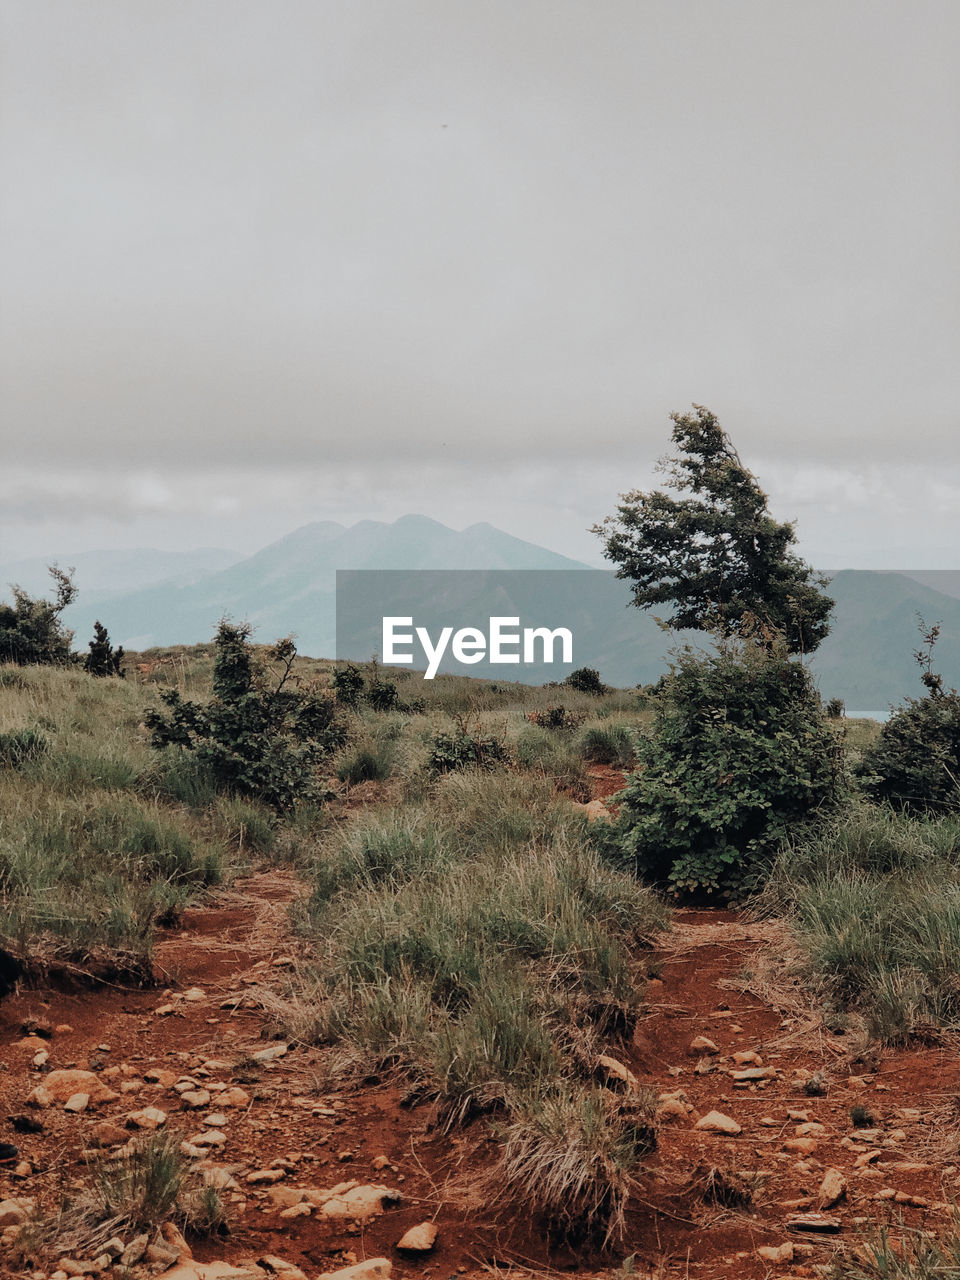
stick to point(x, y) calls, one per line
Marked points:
point(278, 1131)
point(724, 1006)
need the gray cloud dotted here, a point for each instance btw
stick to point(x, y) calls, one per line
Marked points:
point(292, 257)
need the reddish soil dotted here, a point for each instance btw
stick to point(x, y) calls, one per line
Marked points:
point(239, 948)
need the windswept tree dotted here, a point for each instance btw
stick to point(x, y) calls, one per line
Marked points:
point(31, 630)
point(711, 548)
point(103, 659)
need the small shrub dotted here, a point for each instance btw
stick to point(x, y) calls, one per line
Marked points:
point(586, 680)
point(31, 630)
point(558, 718)
point(614, 745)
point(915, 763)
point(467, 747)
point(383, 695)
point(19, 746)
point(260, 735)
point(372, 763)
point(862, 1117)
point(141, 1190)
point(739, 754)
point(835, 710)
point(348, 685)
point(103, 659)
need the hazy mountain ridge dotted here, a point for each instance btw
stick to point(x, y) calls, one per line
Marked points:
point(289, 587)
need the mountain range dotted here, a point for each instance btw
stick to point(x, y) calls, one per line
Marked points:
point(148, 598)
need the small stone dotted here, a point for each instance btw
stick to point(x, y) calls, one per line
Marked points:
point(833, 1188)
point(614, 1069)
point(62, 1085)
point(106, 1134)
point(235, 1097)
point(717, 1122)
point(41, 1059)
point(270, 1054)
point(369, 1269)
point(195, 994)
point(12, 1213)
point(40, 1097)
point(192, 1099)
point(811, 1130)
point(748, 1058)
point(818, 1222)
point(380, 1162)
point(77, 1102)
point(149, 1118)
point(135, 1250)
point(868, 1157)
point(302, 1209)
point(420, 1239)
point(701, 1044)
point(165, 1010)
point(358, 1202)
point(776, 1253)
point(671, 1111)
point(215, 1119)
point(801, 1146)
point(261, 1176)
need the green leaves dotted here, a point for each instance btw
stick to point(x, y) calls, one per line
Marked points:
point(716, 553)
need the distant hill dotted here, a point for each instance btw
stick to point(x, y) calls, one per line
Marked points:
point(289, 585)
point(149, 598)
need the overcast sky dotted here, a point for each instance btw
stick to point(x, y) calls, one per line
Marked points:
point(276, 261)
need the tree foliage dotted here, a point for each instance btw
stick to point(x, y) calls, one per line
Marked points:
point(739, 752)
point(711, 547)
point(31, 629)
point(103, 659)
point(261, 734)
point(915, 763)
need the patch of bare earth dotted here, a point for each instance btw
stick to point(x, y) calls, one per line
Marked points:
point(287, 1134)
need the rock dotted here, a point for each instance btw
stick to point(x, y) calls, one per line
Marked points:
point(195, 1098)
point(40, 1097)
point(208, 1138)
point(818, 1222)
point(801, 1146)
point(215, 1120)
point(135, 1250)
point(300, 1210)
point(833, 1188)
point(701, 1045)
point(380, 1162)
point(260, 1176)
point(279, 1267)
point(284, 1197)
point(748, 1058)
point(420, 1239)
point(12, 1213)
point(106, 1134)
point(220, 1179)
point(754, 1073)
point(916, 1202)
point(114, 1248)
point(369, 1269)
point(614, 1069)
point(77, 1102)
point(359, 1202)
point(149, 1118)
point(62, 1085)
point(195, 994)
point(174, 1238)
point(811, 1129)
point(798, 1117)
point(717, 1122)
point(235, 1097)
point(270, 1054)
point(776, 1253)
point(157, 1075)
point(868, 1157)
point(164, 1010)
point(41, 1059)
point(671, 1111)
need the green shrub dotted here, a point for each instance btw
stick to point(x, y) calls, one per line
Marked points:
point(383, 695)
point(260, 735)
point(348, 685)
point(586, 680)
point(558, 718)
point(467, 747)
point(19, 746)
point(614, 744)
point(31, 630)
point(372, 762)
point(739, 753)
point(915, 763)
point(103, 659)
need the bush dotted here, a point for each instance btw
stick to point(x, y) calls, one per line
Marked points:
point(739, 753)
point(19, 746)
point(835, 709)
point(614, 745)
point(586, 680)
point(31, 630)
point(348, 685)
point(557, 717)
point(370, 763)
point(103, 659)
point(260, 734)
point(383, 696)
point(466, 747)
point(915, 763)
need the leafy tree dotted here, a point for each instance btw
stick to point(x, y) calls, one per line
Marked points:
point(738, 753)
point(915, 763)
point(31, 630)
point(586, 680)
point(261, 734)
point(103, 659)
point(712, 548)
